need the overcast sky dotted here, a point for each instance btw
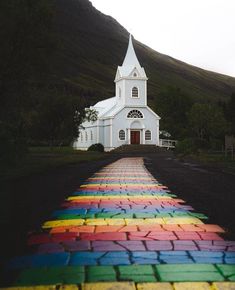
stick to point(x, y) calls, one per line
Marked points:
point(199, 32)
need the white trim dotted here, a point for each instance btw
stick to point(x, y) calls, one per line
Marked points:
point(111, 133)
point(98, 132)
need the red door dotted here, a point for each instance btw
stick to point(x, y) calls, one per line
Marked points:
point(135, 137)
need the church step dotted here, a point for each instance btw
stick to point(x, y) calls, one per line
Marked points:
point(137, 148)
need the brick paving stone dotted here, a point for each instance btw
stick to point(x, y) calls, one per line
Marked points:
point(106, 246)
point(109, 286)
point(184, 246)
point(50, 248)
point(132, 245)
point(209, 246)
point(85, 258)
point(59, 223)
point(104, 237)
point(73, 246)
point(162, 236)
point(227, 271)
point(189, 272)
point(145, 257)
point(103, 229)
point(188, 235)
point(61, 237)
point(51, 275)
point(159, 245)
point(212, 228)
point(223, 286)
point(115, 258)
point(101, 273)
point(138, 236)
point(137, 273)
point(192, 286)
point(172, 228)
point(128, 229)
point(175, 257)
point(155, 228)
point(154, 286)
point(210, 236)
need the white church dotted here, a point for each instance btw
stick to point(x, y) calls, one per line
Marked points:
point(125, 118)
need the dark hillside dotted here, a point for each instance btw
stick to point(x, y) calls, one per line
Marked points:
point(93, 44)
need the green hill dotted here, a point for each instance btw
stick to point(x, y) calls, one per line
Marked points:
point(92, 45)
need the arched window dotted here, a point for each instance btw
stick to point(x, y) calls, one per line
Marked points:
point(91, 135)
point(148, 135)
point(136, 114)
point(135, 92)
point(86, 136)
point(81, 137)
point(122, 135)
point(134, 74)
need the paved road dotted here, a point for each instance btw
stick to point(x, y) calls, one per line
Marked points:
point(206, 189)
point(122, 224)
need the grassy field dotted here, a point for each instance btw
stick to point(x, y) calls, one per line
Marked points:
point(42, 159)
point(217, 160)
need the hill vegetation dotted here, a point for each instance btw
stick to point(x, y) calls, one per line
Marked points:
point(93, 45)
point(60, 56)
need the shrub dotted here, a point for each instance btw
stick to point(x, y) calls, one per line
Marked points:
point(96, 147)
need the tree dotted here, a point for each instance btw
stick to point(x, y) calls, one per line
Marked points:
point(173, 106)
point(230, 113)
point(57, 118)
point(26, 50)
point(207, 122)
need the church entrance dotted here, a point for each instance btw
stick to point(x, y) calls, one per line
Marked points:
point(135, 137)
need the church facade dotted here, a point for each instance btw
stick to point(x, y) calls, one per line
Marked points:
point(126, 117)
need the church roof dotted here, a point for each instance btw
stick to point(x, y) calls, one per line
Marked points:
point(130, 64)
point(103, 107)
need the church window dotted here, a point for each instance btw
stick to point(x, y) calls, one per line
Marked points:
point(91, 135)
point(120, 92)
point(135, 75)
point(135, 92)
point(148, 135)
point(136, 114)
point(122, 135)
point(86, 136)
point(81, 137)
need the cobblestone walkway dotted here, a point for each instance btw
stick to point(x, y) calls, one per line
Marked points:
point(124, 230)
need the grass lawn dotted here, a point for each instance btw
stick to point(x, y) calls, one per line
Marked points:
point(218, 160)
point(41, 159)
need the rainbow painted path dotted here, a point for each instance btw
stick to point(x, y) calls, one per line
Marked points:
point(124, 230)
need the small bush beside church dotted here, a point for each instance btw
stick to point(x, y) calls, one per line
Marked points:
point(96, 147)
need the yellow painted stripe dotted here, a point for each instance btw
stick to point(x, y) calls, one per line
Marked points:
point(129, 197)
point(110, 221)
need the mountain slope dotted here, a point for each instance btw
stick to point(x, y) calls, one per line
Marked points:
point(92, 45)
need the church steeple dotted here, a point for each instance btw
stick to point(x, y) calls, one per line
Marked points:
point(130, 64)
point(131, 80)
point(131, 58)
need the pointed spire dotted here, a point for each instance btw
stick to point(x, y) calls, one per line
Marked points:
point(131, 58)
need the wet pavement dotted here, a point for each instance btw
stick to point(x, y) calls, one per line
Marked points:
point(122, 229)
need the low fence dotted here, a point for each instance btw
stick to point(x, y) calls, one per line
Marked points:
point(167, 143)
